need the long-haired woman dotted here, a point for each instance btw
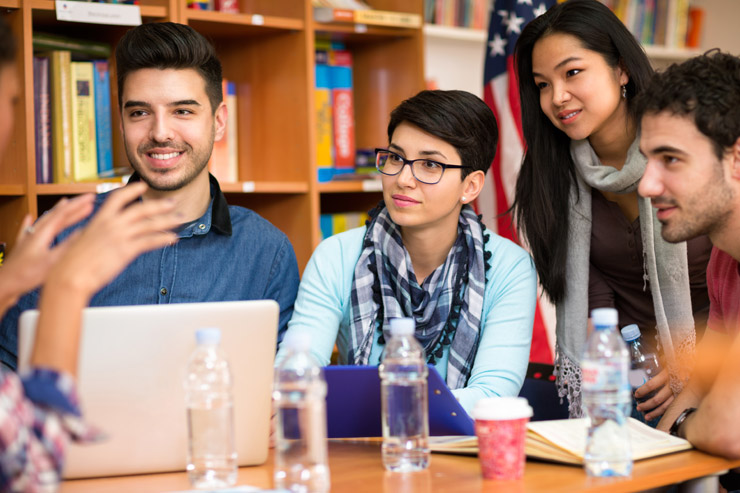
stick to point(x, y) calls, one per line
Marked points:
point(594, 241)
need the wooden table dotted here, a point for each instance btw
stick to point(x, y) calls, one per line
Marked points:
point(356, 468)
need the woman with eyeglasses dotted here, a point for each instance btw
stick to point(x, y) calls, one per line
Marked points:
point(595, 242)
point(425, 254)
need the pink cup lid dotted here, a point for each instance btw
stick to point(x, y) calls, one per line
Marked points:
point(502, 408)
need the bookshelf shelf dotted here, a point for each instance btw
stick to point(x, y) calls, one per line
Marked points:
point(76, 188)
point(435, 31)
point(267, 51)
point(360, 32)
point(239, 24)
point(266, 187)
point(373, 185)
point(147, 11)
point(12, 190)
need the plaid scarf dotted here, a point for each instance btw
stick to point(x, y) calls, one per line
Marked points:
point(447, 306)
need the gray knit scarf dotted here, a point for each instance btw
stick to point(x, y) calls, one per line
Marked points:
point(385, 287)
point(666, 270)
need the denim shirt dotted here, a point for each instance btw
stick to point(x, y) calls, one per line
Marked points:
point(229, 254)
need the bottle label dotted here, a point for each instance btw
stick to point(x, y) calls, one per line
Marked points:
point(597, 375)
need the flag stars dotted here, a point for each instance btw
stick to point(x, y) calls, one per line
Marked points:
point(512, 22)
point(497, 45)
point(524, 2)
point(541, 9)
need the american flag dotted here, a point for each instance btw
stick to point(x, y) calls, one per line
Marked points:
point(501, 93)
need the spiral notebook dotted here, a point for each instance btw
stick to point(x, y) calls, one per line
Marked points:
point(353, 404)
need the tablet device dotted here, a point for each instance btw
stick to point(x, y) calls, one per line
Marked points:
point(353, 404)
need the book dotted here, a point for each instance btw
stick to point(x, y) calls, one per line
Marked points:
point(42, 119)
point(232, 129)
point(367, 16)
point(343, 112)
point(387, 18)
point(103, 134)
point(60, 64)
point(228, 6)
point(218, 164)
point(84, 147)
point(324, 146)
point(564, 441)
point(50, 42)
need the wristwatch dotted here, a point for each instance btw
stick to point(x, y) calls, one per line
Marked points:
point(680, 419)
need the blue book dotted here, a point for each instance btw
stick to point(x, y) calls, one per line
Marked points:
point(103, 117)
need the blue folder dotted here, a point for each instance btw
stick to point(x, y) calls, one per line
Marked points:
point(353, 404)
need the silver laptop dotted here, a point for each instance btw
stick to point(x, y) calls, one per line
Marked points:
point(130, 373)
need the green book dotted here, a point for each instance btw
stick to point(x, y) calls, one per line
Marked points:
point(47, 42)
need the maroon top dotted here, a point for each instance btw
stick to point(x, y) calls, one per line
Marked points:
point(616, 276)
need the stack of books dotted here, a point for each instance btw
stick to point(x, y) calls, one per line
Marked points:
point(471, 14)
point(224, 162)
point(332, 224)
point(659, 22)
point(359, 12)
point(72, 109)
point(334, 96)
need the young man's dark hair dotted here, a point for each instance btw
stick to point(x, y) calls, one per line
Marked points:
point(163, 45)
point(457, 117)
point(7, 44)
point(706, 88)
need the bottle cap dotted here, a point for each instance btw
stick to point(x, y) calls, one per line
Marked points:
point(297, 340)
point(604, 317)
point(502, 408)
point(402, 326)
point(208, 335)
point(630, 332)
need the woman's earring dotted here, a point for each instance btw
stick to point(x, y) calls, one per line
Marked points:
point(624, 91)
point(463, 200)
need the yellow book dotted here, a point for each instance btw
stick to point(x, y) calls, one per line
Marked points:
point(564, 441)
point(84, 148)
point(324, 131)
point(387, 18)
point(61, 115)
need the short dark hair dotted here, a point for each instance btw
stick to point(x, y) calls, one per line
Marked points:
point(457, 117)
point(164, 45)
point(7, 44)
point(706, 88)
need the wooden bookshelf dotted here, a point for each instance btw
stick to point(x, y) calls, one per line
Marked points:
point(267, 49)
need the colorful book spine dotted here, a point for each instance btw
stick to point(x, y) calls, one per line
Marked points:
point(343, 111)
point(42, 119)
point(103, 134)
point(323, 103)
point(61, 115)
point(219, 162)
point(228, 6)
point(50, 42)
point(232, 128)
point(85, 155)
point(332, 224)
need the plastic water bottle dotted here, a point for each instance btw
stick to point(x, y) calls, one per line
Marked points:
point(210, 413)
point(644, 365)
point(403, 375)
point(301, 463)
point(606, 398)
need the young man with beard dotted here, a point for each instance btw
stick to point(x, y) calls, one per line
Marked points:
point(172, 111)
point(690, 133)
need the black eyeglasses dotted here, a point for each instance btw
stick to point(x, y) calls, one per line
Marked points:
point(424, 170)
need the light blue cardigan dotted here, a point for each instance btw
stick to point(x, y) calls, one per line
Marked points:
point(322, 309)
